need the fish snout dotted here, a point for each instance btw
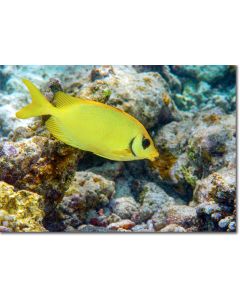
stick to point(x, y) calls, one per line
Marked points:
point(154, 155)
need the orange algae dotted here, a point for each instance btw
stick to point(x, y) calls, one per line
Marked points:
point(164, 163)
point(166, 98)
point(212, 118)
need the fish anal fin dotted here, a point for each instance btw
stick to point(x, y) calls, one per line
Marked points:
point(57, 130)
point(62, 99)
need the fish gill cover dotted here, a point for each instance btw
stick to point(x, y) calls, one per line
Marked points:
point(189, 111)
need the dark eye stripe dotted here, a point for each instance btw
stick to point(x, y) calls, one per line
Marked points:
point(145, 143)
point(130, 146)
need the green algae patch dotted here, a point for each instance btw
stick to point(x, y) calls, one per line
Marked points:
point(107, 93)
point(188, 176)
point(191, 151)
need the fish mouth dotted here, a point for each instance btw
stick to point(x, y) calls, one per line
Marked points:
point(154, 156)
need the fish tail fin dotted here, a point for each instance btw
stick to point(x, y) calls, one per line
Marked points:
point(39, 105)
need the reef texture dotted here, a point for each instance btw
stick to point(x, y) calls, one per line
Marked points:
point(85, 201)
point(189, 110)
point(215, 201)
point(34, 161)
point(193, 148)
point(20, 211)
point(143, 95)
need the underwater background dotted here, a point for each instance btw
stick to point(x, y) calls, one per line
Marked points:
point(190, 111)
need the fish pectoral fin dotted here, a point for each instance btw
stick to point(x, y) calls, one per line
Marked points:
point(63, 99)
point(57, 130)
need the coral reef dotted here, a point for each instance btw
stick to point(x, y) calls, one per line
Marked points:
point(206, 87)
point(121, 225)
point(124, 207)
point(180, 215)
point(39, 164)
point(190, 111)
point(215, 200)
point(199, 87)
point(20, 211)
point(87, 193)
point(152, 199)
point(195, 148)
point(144, 95)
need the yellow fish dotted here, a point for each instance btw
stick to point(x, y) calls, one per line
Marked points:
point(91, 126)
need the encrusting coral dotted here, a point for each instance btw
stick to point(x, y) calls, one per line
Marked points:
point(36, 162)
point(86, 193)
point(20, 211)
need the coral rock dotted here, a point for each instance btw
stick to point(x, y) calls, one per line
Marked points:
point(153, 198)
point(219, 187)
point(194, 148)
point(173, 228)
point(93, 229)
point(38, 164)
point(182, 215)
point(34, 161)
point(140, 94)
point(88, 191)
point(124, 224)
point(20, 211)
point(215, 197)
point(124, 207)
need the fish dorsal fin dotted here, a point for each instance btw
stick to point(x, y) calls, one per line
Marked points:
point(63, 99)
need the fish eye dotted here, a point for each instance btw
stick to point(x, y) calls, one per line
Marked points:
point(145, 143)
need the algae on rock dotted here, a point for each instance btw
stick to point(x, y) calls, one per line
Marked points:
point(143, 95)
point(20, 211)
point(86, 193)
